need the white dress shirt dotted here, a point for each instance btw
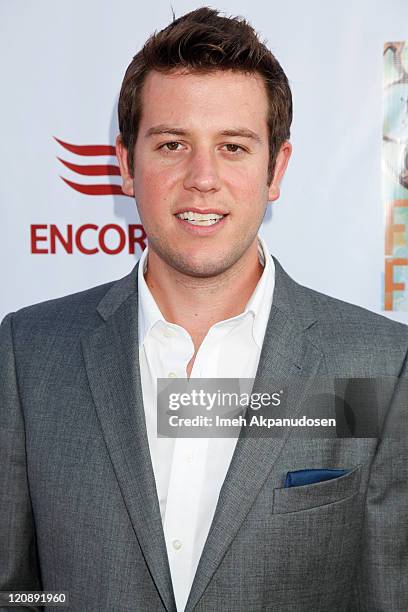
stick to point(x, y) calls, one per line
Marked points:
point(189, 472)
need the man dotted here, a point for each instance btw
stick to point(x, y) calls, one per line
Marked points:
point(93, 502)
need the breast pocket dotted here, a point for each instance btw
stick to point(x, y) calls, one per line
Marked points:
point(306, 497)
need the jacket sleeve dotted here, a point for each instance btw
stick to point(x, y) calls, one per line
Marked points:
point(382, 579)
point(19, 568)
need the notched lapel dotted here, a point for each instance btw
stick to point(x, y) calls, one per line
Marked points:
point(112, 363)
point(288, 355)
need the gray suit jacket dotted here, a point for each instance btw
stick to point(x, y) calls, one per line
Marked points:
point(78, 504)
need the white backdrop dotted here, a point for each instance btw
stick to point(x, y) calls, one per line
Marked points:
point(62, 64)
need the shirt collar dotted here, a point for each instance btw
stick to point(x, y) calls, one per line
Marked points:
point(261, 300)
point(258, 305)
point(148, 311)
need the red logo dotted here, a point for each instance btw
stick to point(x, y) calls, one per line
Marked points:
point(104, 170)
point(89, 238)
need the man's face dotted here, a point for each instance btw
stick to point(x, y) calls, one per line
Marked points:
point(202, 149)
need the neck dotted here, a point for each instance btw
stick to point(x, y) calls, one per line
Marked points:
point(198, 303)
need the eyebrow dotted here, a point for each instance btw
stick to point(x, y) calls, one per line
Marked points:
point(176, 131)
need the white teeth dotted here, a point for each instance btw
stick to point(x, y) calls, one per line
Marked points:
point(203, 222)
point(199, 218)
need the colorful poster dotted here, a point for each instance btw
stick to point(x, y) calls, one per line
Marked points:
point(395, 175)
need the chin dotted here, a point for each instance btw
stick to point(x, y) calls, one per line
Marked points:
point(205, 264)
point(203, 269)
point(199, 267)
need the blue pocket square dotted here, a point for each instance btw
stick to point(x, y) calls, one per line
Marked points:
point(305, 477)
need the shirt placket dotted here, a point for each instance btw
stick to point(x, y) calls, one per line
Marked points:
point(185, 492)
point(182, 511)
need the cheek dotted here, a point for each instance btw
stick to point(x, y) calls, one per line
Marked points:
point(154, 179)
point(250, 186)
point(148, 186)
point(152, 195)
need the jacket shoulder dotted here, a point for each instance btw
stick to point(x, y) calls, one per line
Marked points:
point(338, 323)
point(347, 315)
point(348, 329)
point(73, 313)
point(68, 307)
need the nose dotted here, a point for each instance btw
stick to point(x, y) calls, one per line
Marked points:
point(202, 172)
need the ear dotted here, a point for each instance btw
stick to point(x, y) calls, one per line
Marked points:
point(282, 160)
point(127, 178)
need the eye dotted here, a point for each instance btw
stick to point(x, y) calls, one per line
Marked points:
point(171, 146)
point(234, 148)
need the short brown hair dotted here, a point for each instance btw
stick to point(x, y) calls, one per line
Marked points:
point(203, 41)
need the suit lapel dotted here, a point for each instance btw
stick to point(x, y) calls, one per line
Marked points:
point(289, 357)
point(112, 363)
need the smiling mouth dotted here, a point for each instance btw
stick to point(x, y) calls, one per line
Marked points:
point(194, 218)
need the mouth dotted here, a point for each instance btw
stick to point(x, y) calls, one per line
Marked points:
point(201, 219)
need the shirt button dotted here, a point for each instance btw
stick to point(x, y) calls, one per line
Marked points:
point(171, 375)
point(189, 457)
point(177, 544)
